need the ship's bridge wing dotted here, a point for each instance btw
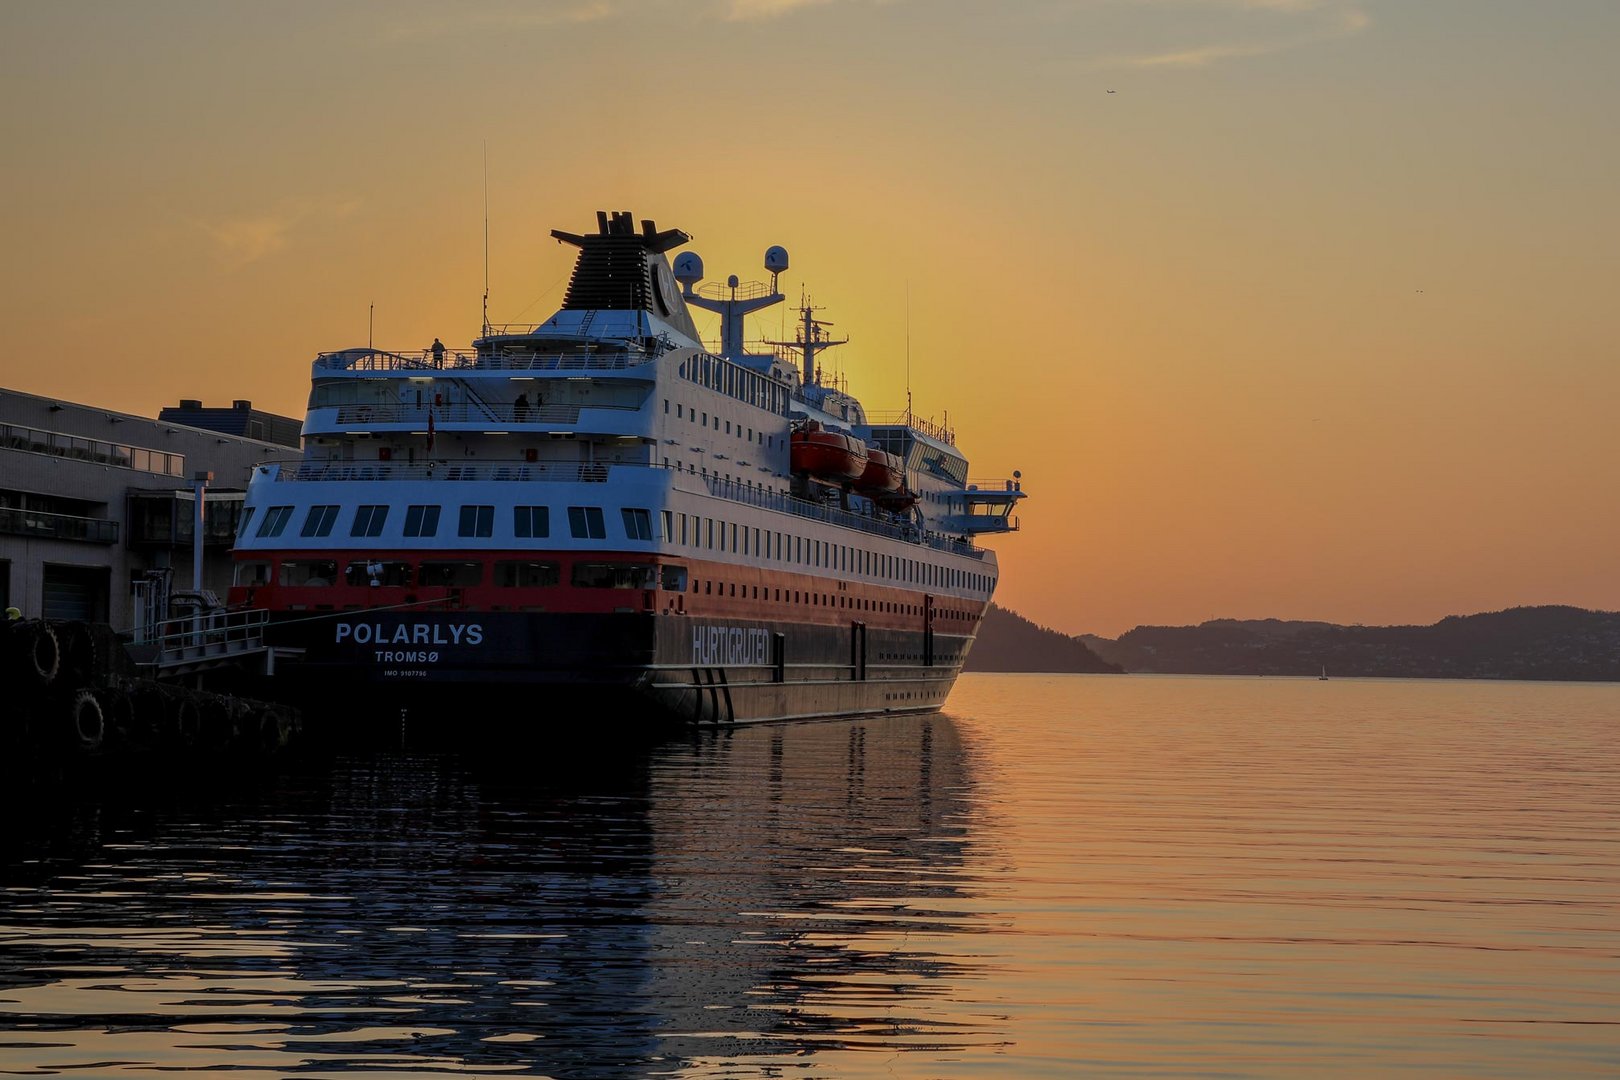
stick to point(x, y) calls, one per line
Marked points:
point(982, 506)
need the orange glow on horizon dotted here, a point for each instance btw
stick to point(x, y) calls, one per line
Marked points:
point(1296, 323)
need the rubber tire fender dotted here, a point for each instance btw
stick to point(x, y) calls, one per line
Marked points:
point(42, 659)
point(119, 710)
point(86, 723)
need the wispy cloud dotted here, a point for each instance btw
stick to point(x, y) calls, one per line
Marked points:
point(464, 20)
point(241, 240)
point(1288, 24)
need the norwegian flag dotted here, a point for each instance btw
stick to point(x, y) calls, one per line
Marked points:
point(430, 431)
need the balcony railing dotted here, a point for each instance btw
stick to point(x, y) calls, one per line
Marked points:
point(58, 526)
point(96, 452)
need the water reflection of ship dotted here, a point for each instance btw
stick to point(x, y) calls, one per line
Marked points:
point(763, 892)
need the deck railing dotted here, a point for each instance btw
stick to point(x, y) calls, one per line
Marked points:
point(464, 414)
point(513, 471)
point(614, 359)
point(832, 515)
point(208, 635)
point(576, 472)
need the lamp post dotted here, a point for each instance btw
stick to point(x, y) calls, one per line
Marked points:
point(199, 484)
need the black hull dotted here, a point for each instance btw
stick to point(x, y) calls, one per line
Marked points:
point(611, 672)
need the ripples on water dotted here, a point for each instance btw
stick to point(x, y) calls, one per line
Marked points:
point(1060, 876)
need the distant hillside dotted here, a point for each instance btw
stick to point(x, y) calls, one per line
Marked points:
point(1520, 643)
point(1009, 642)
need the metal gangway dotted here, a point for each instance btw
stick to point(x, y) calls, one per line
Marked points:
point(207, 639)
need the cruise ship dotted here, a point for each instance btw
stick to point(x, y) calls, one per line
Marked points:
point(600, 515)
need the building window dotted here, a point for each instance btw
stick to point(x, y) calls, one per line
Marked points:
point(531, 522)
point(450, 573)
point(477, 521)
point(375, 572)
point(588, 575)
point(585, 523)
point(368, 521)
point(513, 573)
point(422, 521)
point(637, 523)
point(318, 522)
point(275, 520)
point(308, 573)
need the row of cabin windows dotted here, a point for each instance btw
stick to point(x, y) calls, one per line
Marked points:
point(686, 412)
point(459, 573)
point(589, 523)
point(532, 574)
point(738, 382)
point(713, 534)
point(528, 522)
point(815, 599)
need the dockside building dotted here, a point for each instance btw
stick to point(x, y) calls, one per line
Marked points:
point(97, 507)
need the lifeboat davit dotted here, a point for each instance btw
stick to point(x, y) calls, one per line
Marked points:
point(882, 473)
point(896, 502)
point(827, 455)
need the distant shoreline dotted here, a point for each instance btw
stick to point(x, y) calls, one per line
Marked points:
point(1528, 644)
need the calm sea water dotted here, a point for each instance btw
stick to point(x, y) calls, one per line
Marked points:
point(1060, 876)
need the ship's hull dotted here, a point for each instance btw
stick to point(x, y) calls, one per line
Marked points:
point(618, 671)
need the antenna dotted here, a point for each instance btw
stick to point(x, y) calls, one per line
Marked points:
point(908, 350)
point(486, 238)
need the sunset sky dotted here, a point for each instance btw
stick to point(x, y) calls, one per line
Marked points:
point(1294, 308)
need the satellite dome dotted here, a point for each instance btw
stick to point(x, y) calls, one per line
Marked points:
point(688, 268)
point(776, 259)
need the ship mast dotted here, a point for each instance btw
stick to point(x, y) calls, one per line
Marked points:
point(812, 339)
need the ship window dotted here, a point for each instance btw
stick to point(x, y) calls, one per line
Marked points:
point(447, 572)
point(275, 520)
point(585, 523)
point(252, 573)
point(705, 419)
point(531, 522)
point(319, 522)
point(374, 572)
point(368, 521)
point(678, 413)
point(728, 427)
point(242, 525)
point(666, 406)
point(514, 573)
point(308, 573)
point(674, 578)
point(637, 523)
point(733, 531)
point(422, 521)
point(669, 526)
point(477, 521)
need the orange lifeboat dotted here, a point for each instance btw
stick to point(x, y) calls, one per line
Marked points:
point(827, 455)
point(882, 473)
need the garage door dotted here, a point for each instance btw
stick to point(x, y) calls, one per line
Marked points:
point(75, 592)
